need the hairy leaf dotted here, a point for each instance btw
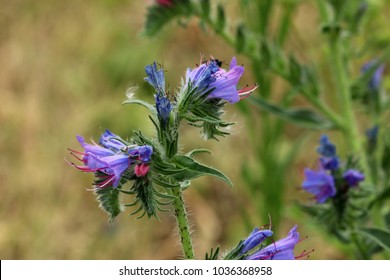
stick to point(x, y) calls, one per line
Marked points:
point(109, 201)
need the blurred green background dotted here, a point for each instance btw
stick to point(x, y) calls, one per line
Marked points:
point(64, 70)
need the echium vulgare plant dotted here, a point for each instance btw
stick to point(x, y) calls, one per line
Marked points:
point(154, 172)
point(329, 80)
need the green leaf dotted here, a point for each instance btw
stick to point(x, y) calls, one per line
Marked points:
point(300, 116)
point(147, 105)
point(197, 151)
point(380, 236)
point(195, 169)
point(205, 5)
point(221, 19)
point(158, 15)
point(240, 38)
point(109, 201)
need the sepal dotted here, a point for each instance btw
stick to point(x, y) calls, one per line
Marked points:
point(108, 199)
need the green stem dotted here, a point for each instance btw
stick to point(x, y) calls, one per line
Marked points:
point(182, 223)
point(350, 129)
point(171, 147)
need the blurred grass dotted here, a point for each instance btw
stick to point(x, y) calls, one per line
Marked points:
point(65, 67)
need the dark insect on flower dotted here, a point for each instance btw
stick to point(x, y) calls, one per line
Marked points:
point(217, 82)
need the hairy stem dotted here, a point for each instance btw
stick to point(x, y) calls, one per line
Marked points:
point(182, 223)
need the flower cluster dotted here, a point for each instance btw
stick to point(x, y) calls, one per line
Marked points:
point(282, 249)
point(112, 159)
point(331, 176)
point(215, 82)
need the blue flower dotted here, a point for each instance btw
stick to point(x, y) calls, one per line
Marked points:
point(145, 153)
point(376, 79)
point(155, 77)
point(327, 149)
point(209, 78)
point(163, 106)
point(320, 184)
point(353, 177)
point(282, 249)
point(256, 237)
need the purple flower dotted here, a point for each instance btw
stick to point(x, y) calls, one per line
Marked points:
point(330, 163)
point(99, 159)
point(320, 184)
point(111, 141)
point(255, 238)
point(209, 78)
point(282, 249)
point(376, 78)
point(111, 161)
point(353, 177)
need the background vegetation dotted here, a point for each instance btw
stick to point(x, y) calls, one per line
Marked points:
point(65, 68)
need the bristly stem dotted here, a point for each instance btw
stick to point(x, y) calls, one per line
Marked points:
point(182, 223)
point(178, 203)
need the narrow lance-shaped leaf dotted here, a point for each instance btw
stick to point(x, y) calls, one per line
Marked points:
point(194, 170)
point(145, 104)
point(300, 116)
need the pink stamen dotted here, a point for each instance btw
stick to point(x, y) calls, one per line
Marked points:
point(304, 254)
point(76, 152)
point(246, 91)
point(271, 255)
point(80, 159)
point(106, 182)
